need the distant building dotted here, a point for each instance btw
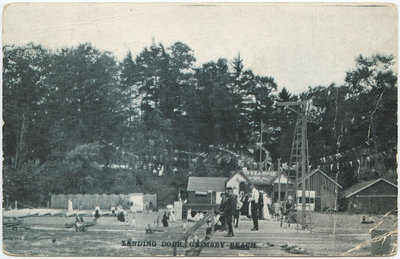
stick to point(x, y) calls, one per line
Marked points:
point(205, 190)
point(374, 196)
point(326, 190)
point(238, 181)
point(267, 181)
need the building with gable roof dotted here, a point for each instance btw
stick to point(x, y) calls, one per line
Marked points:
point(205, 190)
point(326, 190)
point(373, 196)
point(270, 182)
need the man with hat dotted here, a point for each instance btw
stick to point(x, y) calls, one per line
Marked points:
point(229, 209)
point(222, 209)
point(254, 206)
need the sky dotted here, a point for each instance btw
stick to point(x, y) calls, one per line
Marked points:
point(300, 45)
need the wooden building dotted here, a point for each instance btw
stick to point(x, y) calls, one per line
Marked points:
point(205, 190)
point(270, 182)
point(326, 190)
point(239, 182)
point(374, 196)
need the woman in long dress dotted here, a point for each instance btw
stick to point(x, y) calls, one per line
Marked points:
point(267, 204)
point(70, 207)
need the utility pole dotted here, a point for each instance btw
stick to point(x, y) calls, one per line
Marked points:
point(261, 142)
point(304, 165)
point(299, 153)
point(279, 181)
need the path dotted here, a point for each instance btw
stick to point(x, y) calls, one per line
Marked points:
point(314, 244)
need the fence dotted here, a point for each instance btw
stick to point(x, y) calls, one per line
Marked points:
point(104, 201)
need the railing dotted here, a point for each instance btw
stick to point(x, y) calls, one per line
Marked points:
point(192, 230)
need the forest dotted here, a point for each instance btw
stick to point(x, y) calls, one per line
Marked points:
point(78, 120)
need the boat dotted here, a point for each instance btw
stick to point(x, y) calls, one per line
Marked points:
point(12, 222)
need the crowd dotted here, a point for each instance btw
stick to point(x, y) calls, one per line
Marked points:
point(254, 204)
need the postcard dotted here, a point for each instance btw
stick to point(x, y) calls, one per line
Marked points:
point(200, 129)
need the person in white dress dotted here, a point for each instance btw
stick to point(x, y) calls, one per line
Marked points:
point(70, 207)
point(267, 204)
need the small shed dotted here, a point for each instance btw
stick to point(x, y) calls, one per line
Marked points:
point(326, 189)
point(374, 196)
point(205, 190)
point(281, 183)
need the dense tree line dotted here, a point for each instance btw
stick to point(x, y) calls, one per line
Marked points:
point(77, 120)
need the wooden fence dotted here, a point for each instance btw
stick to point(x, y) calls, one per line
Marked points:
point(104, 201)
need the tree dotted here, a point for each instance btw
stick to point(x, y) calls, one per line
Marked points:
point(25, 99)
point(84, 98)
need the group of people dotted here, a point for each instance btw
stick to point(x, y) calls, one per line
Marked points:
point(285, 210)
point(119, 212)
point(232, 206)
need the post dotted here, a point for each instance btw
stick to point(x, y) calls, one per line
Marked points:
point(260, 145)
point(303, 163)
point(296, 196)
point(174, 252)
point(16, 205)
point(48, 204)
point(279, 181)
point(212, 221)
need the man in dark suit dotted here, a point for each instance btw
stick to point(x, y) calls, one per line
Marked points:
point(221, 210)
point(229, 209)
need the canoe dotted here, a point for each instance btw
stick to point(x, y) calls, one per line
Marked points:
point(44, 212)
point(55, 212)
point(85, 224)
point(16, 214)
point(12, 222)
point(70, 224)
point(70, 214)
point(90, 224)
point(81, 213)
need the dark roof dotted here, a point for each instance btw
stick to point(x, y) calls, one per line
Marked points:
point(204, 184)
point(361, 186)
point(261, 177)
point(321, 172)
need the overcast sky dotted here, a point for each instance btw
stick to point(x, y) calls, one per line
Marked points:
point(299, 45)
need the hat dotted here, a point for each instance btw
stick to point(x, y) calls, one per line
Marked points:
point(229, 188)
point(289, 197)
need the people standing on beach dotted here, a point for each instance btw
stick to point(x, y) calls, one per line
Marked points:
point(230, 207)
point(221, 209)
point(245, 207)
point(121, 214)
point(165, 220)
point(97, 212)
point(276, 209)
point(236, 214)
point(260, 205)
point(70, 207)
point(254, 206)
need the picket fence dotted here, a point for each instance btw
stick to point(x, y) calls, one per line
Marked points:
point(104, 201)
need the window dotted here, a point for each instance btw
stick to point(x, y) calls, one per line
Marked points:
point(200, 194)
